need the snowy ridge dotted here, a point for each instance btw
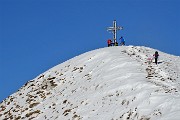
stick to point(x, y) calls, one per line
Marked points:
point(115, 83)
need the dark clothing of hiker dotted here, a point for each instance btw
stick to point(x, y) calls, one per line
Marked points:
point(156, 55)
point(116, 44)
point(109, 42)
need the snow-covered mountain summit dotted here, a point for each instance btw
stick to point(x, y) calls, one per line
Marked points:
point(114, 83)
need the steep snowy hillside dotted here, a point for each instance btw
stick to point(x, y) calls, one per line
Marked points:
point(115, 83)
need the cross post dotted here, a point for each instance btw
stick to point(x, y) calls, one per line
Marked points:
point(114, 30)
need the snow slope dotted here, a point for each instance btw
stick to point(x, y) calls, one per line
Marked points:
point(114, 83)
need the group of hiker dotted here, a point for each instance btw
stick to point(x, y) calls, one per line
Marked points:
point(110, 43)
point(154, 57)
point(122, 43)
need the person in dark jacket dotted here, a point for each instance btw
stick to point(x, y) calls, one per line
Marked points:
point(156, 55)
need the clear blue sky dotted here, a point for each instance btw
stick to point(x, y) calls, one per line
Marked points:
point(36, 35)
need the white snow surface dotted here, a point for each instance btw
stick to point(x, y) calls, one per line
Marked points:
point(112, 83)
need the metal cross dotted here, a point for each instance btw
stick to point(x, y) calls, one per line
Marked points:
point(114, 30)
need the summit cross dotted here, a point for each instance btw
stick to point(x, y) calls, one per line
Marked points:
point(114, 30)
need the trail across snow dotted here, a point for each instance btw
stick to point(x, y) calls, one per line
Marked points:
point(114, 83)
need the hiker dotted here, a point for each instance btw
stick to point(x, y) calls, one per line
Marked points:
point(122, 41)
point(116, 44)
point(109, 42)
point(156, 55)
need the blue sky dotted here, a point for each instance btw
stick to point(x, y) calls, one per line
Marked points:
point(36, 35)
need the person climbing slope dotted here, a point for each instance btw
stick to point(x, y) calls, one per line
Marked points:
point(156, 55)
